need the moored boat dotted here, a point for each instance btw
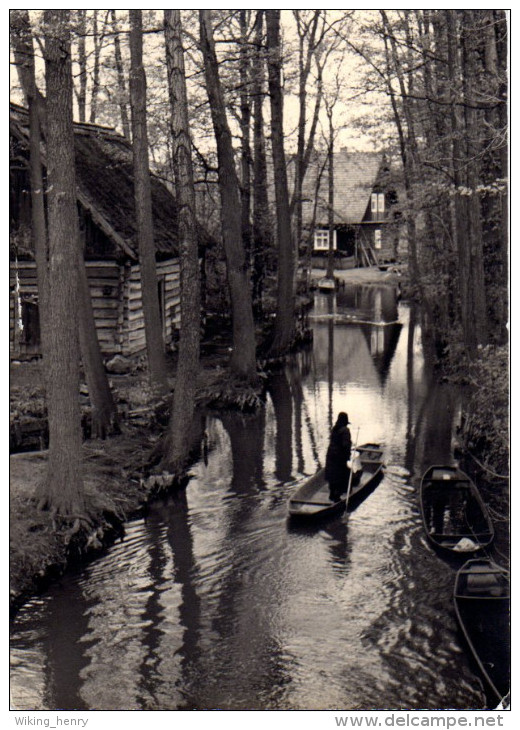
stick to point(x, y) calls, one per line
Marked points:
point(311, 499)
point(454, 515)
point(482, 607)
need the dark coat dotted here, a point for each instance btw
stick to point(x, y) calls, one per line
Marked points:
point(338, 453)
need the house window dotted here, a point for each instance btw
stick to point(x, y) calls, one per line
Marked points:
point(321, 240)
point(377, 238)
point(377, 205)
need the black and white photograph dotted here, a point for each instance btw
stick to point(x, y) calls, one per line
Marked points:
point(259, 366)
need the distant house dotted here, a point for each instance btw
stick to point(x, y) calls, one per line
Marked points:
point(365, 229)
point(105, 193)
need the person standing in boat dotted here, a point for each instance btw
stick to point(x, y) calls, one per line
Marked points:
point(336, 468)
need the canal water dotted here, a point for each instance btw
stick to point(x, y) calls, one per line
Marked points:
point(217, 601)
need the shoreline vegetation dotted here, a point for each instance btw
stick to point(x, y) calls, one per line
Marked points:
point(121, 477)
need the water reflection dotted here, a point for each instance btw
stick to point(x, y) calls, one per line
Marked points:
point(217, 602)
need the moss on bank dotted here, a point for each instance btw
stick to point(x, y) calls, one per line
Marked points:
point(118, 472)
point(485, 429)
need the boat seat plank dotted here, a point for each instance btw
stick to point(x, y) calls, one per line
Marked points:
point(458, 535)
point(312, 501)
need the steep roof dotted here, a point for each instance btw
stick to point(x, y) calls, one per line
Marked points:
point(105, 185)
point(355, 175)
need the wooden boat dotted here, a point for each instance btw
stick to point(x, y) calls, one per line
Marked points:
point(326, 284)
point(482, 607)
point(311, 499)
point(454, 516)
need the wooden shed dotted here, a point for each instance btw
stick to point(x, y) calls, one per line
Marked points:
point(105, 192)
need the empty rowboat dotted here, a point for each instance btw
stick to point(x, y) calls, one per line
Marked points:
point(482, 607)
point(454, 516)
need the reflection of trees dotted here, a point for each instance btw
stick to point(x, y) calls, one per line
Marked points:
point(410, 439)
point(237, 608)
point(181, 543)
point(152, 631)
point(280, 392)
point(64, 625)
point(433, 427)
point(295, 379)
point(246, 435)
point(167, 660)
point(330, 369)
point(429, 423)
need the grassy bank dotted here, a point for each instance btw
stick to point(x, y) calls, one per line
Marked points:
point(120, 474)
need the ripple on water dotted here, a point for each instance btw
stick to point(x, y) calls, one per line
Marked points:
point(216, 601)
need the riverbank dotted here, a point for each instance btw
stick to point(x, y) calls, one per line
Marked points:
point(367, 275)
point(118, 472)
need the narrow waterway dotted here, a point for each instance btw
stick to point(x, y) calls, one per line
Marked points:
point(218, 601)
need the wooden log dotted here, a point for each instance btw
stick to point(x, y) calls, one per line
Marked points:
point(167, 266)
point(105, 303)
point(96, 282)
point(103, 272)
point(105, 320)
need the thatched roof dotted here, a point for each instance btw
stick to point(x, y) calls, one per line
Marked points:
point(355, 176)
point(105, 186)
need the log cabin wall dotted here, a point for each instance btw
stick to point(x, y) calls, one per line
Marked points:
point(168, 279)
point(116, 301)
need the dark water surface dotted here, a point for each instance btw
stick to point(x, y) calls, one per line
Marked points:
point(217, 601)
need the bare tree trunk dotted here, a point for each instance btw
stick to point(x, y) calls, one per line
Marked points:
point(63, 490)
point(501, 44)
point(122, 92)
point(306, 30)
point(407, 145)
point(98, 47)
point(189, 343)
point(104, 415)
point(143, 208)
point(477, 319)
point(464, 216)
point(330, 253)
point(82, 63)
point(284, 323)
point(21, 37)
point(261, 229)
point(243, 360)
point(104, 419)
point(245, 130)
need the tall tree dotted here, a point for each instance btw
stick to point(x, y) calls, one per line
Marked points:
point(143, 207)
point(310, 26)
point(476, 312)
point(63, 490)
point(81, 95)
point(330, 216)
point(284, 323)
point(189, 341)
point(405, 124)
point(245, 130)
point(122, 92)
point(243, 359)
point(98, 40)
point(104, 413)
point(261, 225)
point(22, 42)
